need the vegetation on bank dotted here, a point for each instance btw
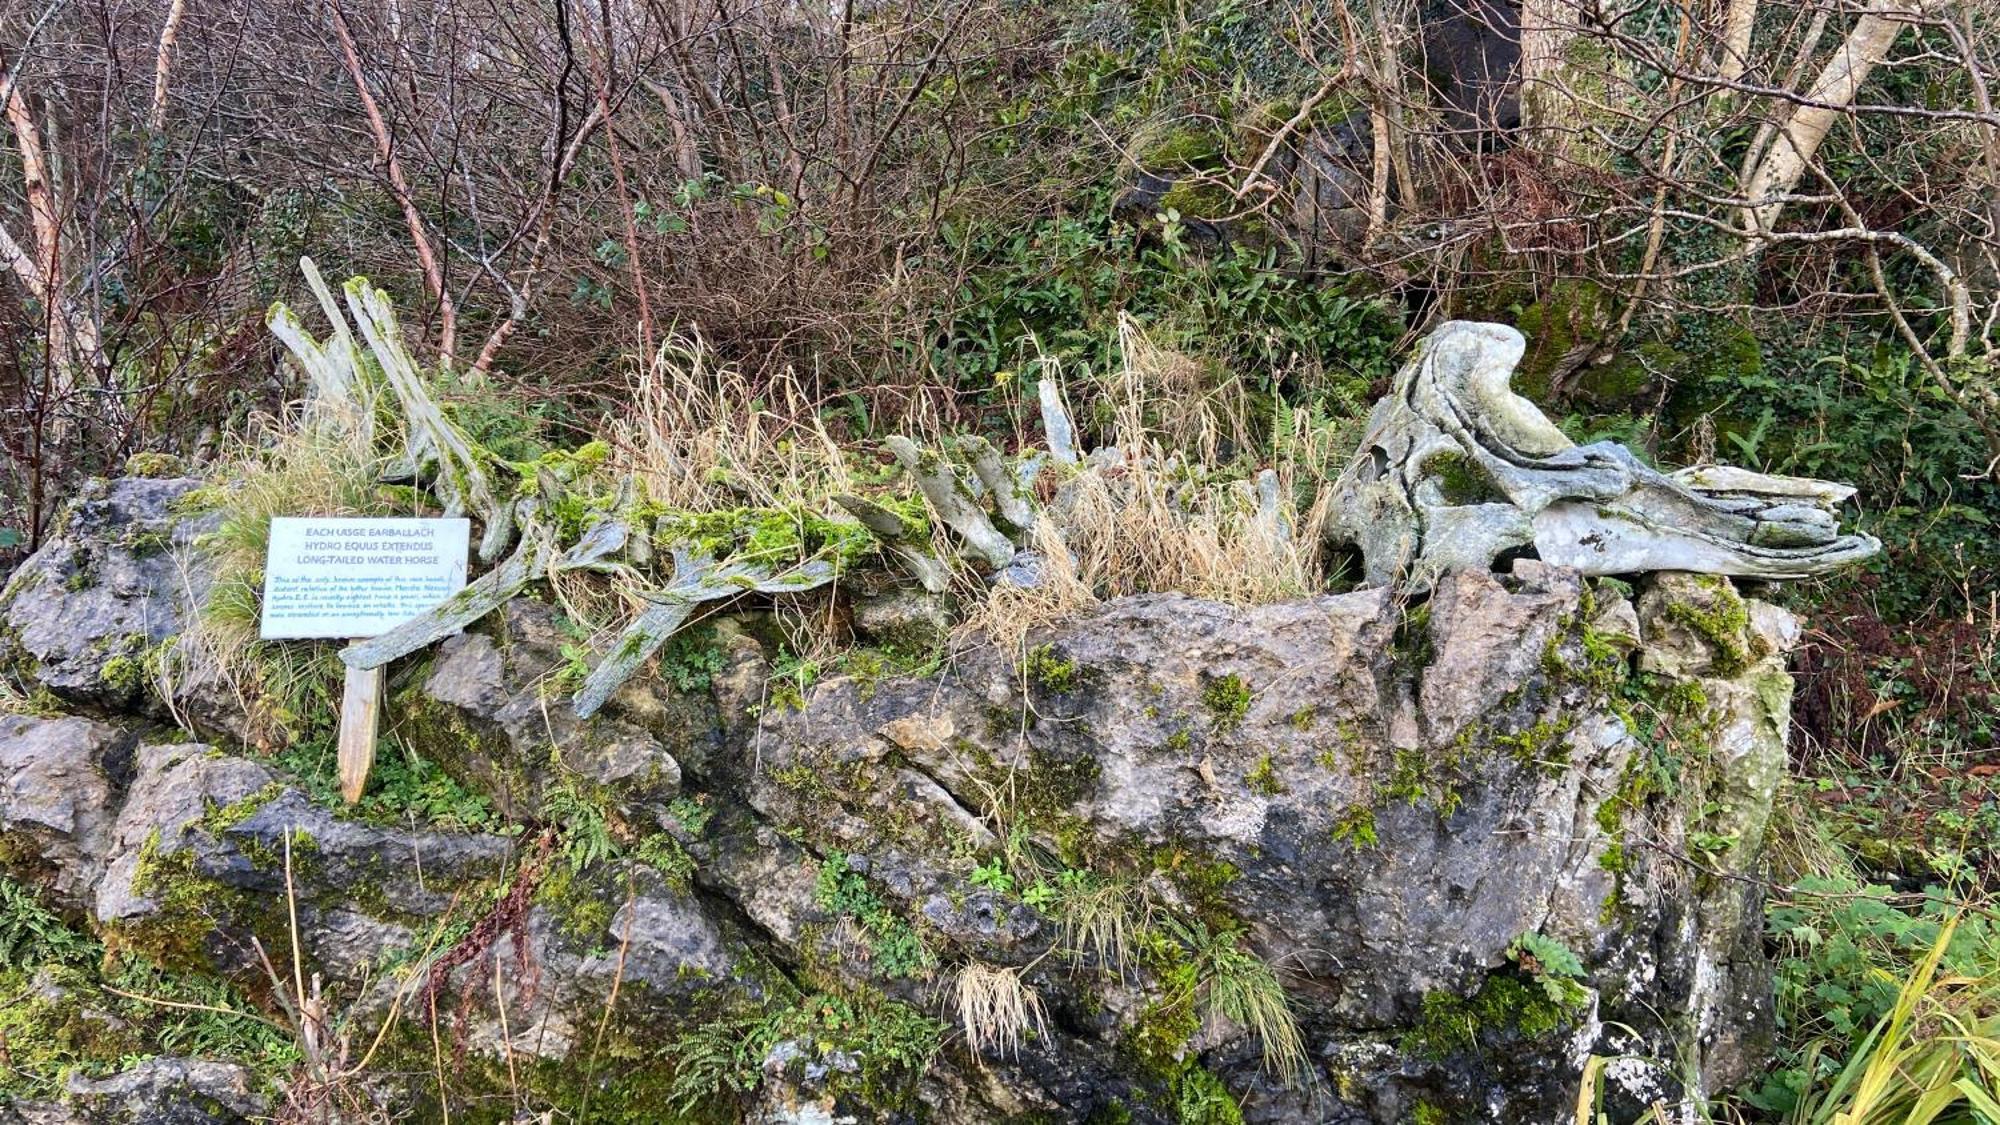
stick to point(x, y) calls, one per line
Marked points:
point(814, 321)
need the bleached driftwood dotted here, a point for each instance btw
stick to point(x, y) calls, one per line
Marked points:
point(953, 501)
point(1456, 470)
point(896, 537)
point(696, 580)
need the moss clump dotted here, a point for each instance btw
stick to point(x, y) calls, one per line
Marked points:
point(1197, 198)
point(1356, 826)
point(1544, 744)
point(764, 535)
point(1304, 718)
point(1185, 149)
point(1263, 778)
point(1506, 1010)
point(1048, 670)
point(125, 675)
point(154, 464)
point(1460, 480)
point(1227, 698)
point(221, 818)
point(1722, 623)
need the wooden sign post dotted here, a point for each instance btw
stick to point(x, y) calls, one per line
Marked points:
point(352, 579)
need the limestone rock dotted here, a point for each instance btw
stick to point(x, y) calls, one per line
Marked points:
point(160, 1091)
point(86, 616)
point(59, 783)
point(204, 834)
point(490, 712)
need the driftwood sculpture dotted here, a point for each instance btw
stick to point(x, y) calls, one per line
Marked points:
point(1456, 470)
point(673, 574)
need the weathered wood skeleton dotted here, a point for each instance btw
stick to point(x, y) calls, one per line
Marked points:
point(676, 575)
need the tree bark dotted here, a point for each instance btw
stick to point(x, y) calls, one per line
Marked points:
point(1798, 137)
point(1739, 20)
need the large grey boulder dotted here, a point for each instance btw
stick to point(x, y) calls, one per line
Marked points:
point(86, 618)
point(60, 780)
point(1389, 799)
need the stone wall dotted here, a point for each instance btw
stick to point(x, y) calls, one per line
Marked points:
point(1474, 839)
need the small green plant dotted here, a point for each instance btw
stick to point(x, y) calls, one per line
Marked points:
point(691, 660)
point(1551, 964)
point(31, 934)
point(993, 876)
point(888, 1043)
point(664, 854)
point(1356, 826)
point(583, 827)
point(1234, 984)
point(1048, 670)
point(1227, 698)
point(896, 949)
point(1263, 778)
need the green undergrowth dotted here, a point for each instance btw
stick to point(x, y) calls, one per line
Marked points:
point(68, 1006)
point(405, 790)
point(871, 1048)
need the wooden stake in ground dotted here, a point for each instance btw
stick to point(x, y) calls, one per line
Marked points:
point(360, 715)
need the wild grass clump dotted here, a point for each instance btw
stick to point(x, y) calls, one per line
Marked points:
point(997, 1009)
point(1202, 496)
point(1235, 985)
point(702, 438)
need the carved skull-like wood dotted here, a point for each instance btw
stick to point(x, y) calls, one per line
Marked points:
point(1456, 470)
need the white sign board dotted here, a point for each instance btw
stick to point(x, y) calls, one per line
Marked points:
point(349, 578)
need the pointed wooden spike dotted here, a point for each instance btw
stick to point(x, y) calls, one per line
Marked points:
point(360, 712)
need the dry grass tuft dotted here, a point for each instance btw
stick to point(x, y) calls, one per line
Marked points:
point(703, 437)
point(997, 1009)
point(1170, 513)
point(311, 464)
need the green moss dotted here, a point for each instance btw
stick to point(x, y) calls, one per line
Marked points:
point(1263, 778)
point(1412, 644)
point(1572, 313)
point(772, 536)
point(125, 675)
point(1506, 1010)
point(1227, 698)
point(1545, 744)
point(1460, 480)
point(1722, 623)
point(1047, 669)
point(1426, 1113)
point(580, 905)
point(1196, 198)
point(1302, 720)
point(221, 818)
point(154, 464)
point(1356, 826)
point(1184, 149)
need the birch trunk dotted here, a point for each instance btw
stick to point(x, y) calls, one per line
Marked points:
point(1798, 138)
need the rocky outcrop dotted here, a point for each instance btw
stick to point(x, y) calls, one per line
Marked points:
point(1356, 857)
point(86, 615)
point(161, 1091)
